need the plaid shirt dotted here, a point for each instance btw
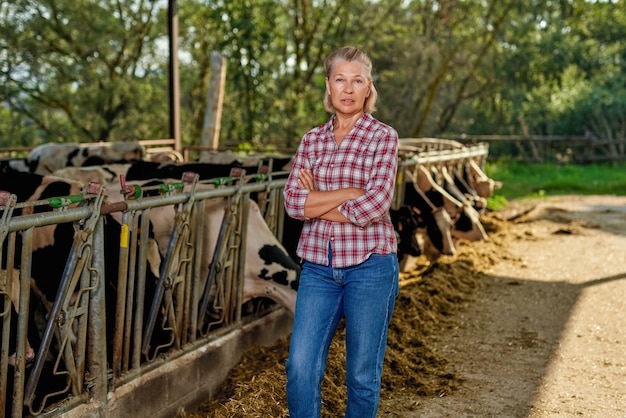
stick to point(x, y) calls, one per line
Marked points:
point(366, 158)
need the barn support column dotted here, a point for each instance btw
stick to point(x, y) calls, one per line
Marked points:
point(174, 82)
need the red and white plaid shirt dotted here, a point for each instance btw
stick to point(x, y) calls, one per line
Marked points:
point(366, 158)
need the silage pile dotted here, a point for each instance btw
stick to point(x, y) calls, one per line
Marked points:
point(428, 295)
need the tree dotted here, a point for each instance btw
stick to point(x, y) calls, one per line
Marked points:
point(559, 70)
point(434, 63)
point(275, 52)
point(91, 70)
point(84, 71)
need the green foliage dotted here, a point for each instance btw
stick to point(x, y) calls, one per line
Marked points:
point(558, 69)
point(83, 71)
point(538, 180)
point(91, 70)
point(497, 202)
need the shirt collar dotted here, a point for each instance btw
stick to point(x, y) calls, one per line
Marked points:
point(362, 120)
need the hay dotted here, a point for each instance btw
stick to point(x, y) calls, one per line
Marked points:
point(429, 294)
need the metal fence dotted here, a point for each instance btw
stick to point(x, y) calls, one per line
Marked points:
point(552, 148)
point(86, 348)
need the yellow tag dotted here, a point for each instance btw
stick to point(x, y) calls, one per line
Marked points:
point(124, 236)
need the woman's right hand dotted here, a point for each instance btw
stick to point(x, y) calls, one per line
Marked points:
point(306, 179)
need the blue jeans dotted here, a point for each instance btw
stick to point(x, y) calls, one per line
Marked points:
point(365, 294)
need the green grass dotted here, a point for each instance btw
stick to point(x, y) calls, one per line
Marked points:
point(542, 180)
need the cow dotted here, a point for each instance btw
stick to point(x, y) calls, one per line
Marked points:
point(101, 174)
point(31, 188)
point(260, 253)
point(47, 158)
point(467, 224)
point(269, 270)
point(466, 220)
point(452, 182)
point(280, 162)
point(427, 205)
point(149, 170)
point(406, 221)
point(12, 298)
point(52, 246)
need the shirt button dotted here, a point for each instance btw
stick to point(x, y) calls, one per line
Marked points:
point(332, 238)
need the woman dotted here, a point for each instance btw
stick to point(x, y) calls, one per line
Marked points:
point(341, 185)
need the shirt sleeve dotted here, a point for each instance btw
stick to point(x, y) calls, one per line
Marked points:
point(295, 197)
point(376, 201)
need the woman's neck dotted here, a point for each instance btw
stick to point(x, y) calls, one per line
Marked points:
point(346, 122)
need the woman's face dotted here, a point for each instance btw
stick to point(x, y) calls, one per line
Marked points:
point(348, 87)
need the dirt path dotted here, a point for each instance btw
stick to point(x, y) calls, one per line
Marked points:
point(546, 336)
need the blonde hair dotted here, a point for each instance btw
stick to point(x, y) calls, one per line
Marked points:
point(351, 54)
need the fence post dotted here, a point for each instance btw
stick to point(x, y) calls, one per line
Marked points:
point(97, 346)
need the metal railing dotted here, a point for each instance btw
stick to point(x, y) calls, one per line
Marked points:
point(91, 345)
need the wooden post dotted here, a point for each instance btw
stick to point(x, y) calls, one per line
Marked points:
point(214, 100)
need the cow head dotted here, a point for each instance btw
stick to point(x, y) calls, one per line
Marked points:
point(429, 202)
point(468, 225)
point(405, 221)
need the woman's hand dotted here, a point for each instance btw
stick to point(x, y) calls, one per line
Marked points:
point(306, 180)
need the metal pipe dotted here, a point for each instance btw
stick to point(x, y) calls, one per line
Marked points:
point(97, 338)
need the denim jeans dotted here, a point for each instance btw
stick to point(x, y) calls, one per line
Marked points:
point(365, 294)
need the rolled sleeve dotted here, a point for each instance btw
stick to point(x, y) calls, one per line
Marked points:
point(294, 202)
point(295, 197)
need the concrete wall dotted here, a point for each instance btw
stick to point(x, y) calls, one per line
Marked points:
point(186, 382)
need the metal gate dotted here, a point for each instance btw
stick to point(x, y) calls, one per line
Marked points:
point(91, 345)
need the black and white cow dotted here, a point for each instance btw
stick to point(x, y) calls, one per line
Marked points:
point(148, 170)
point(47, 158)
point(51, 249)
point(269, 270)
point(280, 162)
point(267, 250)
point(479, 181)
point(423, 209)
point(45, 276)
